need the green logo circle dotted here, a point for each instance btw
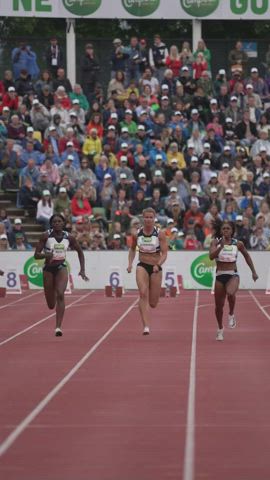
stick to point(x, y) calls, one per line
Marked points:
point(82, 7)
point(199, 8)
point(202, 270)
point(34, 270)
point(140, 8)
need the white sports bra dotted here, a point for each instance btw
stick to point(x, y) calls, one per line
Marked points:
point(228, 254)
point(58, 249)
point(148, 243)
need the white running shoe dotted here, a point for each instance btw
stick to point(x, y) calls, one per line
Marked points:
point(231, 321)
point(58, 332)
point(146, 331)
point(220, 335)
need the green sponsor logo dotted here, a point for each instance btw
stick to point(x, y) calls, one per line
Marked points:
point(140, 8)
point(33, 270)
point(202, 270)
point(258, 7)
point(82, 7)
point(199, 8)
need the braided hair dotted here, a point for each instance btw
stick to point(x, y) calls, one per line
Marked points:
point(218, 224)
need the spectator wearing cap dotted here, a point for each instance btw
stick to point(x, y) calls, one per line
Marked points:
point(194, 214)
point(40, 116)
point(194, 166)
point(129, 123)
point(60, 95)
point(259, 84)
point(123, 184)
point(206, 172)
point(264, 186)
point(189, 84)
point(69, 137)
point(92, 144)
point(220, 80)
point(261, 142)
point(195, 123)
point(197, 138)
point(211, 199)
point(206, 154)
point(246, 130)
point(71, 151)
point(30, 138)
point(125, 150)
point(124, 169)
point(214, 112)
point(80, 206)
point(45, 209)
point(170, 169)
point(142, 139)
point(249, 184)
point(43, 183)
point(53, 141)
point(77, 111)
point(118, 205)
point(142, 184)
point(253, 100)
point(213, 182)
point(62, 81)
point(110, 138)
point(24, 58)
point(77, 94)
point(24, 84)
point(107, 194)
point(165, 107)
point(89, 68)
point(158, 181)
point(15, 128)
point(172, 199)
point(229, 132)
point(17, 228)
point(223, 174)
point(67, 169)
point(199, 66)
point(142, 167)
point(96, 122)
point(233, 111)
point(57, 111)
point(103, 168)
point(157, 150)
point(54, 56)
point(227, 156)
point(20, 243)
point(242, 230)
point(51, 169)
point(173, 153)
point(4, 245)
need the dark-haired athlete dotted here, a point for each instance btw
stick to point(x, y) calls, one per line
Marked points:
point(224, 250)
point(153, 248)
point(53, 246)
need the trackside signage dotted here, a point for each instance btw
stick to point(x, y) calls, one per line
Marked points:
point(202, 270)
point(159, 9)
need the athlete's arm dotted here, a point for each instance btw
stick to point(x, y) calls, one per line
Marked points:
point(163, 251)
point(76, 246)
point(132, 253)
point(241, 247)
point(39, 251)
point(215, 248)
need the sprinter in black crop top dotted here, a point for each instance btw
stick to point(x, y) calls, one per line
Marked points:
point(152, 246)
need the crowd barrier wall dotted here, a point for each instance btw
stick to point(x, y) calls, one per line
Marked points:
point(195, 268)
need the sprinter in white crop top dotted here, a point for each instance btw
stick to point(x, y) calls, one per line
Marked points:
point(152, 246)
point(224, 250)
point(53, 246)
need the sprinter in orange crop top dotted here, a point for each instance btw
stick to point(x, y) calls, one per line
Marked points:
point(224, 249)
point(152, 246)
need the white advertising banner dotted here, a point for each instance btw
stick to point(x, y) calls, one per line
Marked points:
point(192, 269)
point(148, 9)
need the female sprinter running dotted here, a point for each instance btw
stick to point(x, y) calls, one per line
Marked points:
point(152, 246)
point(53, 246)
point(224, 249)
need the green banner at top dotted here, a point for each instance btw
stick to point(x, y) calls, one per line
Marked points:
point(127, 9)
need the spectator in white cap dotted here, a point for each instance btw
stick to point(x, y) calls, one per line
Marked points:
point(172, 199)
point(170, 169)
point(129, 123)
point(234, 111)
point(195, 122)
point(78, 111)
point(206, 172)
point(71, 150)
point(263, 141)
point(103, 168)
point(17, 228)
point(45, 209)
point(62, 202)
point(211, 199)
point(249, 184)
point(227, 156)
point(259, 84)
point(40, 116)
point(124, 169)
point(142, 184)
point(77, 94)
point(252, 100)
point(11, 100)
point(223, 174)
point(157, 150)
point(160, 183)
point(220, 81)
point(125, 150)
point(67, 169)
point(264, 186)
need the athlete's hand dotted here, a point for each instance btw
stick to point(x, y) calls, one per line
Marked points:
point(129, 268)
point(84, 277)
point(1, 272)
point(48, 256)
point(255, 276)
point(155, 269)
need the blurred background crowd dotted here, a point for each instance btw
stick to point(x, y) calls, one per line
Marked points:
point(166, 132)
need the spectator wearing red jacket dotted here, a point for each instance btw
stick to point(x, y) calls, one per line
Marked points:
point(173, 61)
point(10, 100)
point(80, 207)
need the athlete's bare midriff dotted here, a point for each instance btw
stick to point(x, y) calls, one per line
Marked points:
point(150, 258)
point(225, 266)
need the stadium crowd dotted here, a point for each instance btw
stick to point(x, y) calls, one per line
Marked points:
point(167, 132)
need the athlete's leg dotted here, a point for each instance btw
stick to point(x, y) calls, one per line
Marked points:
point(49, 289)
point(154, 289)
point(142, 279)
point(231, 289)
point(61, 280)
point(220, 296)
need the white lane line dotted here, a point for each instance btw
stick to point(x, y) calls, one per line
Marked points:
point(259, 305)
point(6, 444)
point(21, 332)
point(20, 300)
point(189, 458)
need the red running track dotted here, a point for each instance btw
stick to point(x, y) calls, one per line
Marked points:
point(105, 403)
